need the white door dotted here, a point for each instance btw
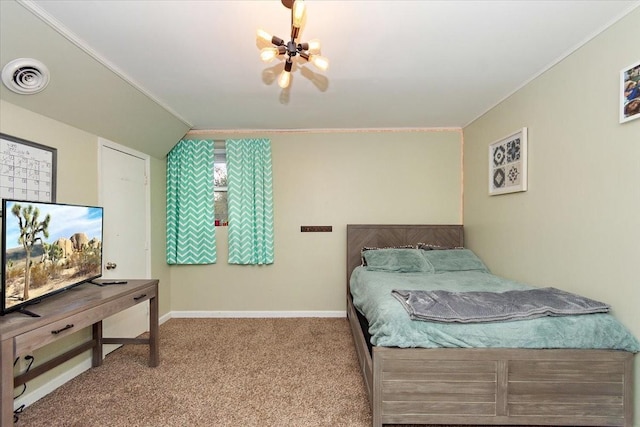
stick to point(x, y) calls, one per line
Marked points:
point(124, 194)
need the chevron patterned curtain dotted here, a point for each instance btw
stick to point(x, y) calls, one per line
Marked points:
point(191, 235)
point(250, 201)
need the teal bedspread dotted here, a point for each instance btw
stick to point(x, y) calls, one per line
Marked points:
point(390, 325)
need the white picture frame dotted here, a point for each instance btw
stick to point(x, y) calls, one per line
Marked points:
point(630, 93)
point(508, 164)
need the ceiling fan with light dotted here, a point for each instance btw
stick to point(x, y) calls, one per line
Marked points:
point(309, 51)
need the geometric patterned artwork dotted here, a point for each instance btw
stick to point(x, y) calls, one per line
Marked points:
point(508, 164)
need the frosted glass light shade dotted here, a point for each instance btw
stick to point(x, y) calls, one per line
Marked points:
point(262, 34)
point(297, 13)
point(284, 79)
point(268, 54)
point(319, 61)
point(314, 46)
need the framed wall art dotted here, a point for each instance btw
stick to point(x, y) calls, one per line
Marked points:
point(630, 93)
point(27, 170)
point(508, 164)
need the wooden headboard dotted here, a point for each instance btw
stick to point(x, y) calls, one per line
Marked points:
point(380, 236)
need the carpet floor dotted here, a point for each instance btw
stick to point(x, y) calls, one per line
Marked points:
point(219, 372)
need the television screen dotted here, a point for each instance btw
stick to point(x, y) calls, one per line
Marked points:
point(47, 248)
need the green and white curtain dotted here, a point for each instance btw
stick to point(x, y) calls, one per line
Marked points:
point(191, 235)
point(250, 199)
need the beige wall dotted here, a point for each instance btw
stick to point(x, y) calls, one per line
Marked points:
point(159, 267)
point(577, 227)
point(319, 179)
point(77, 177)
point(77, 183)
point(77, 180)
point(328, 179)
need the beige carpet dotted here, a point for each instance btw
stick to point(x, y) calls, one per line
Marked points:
point(220, 372)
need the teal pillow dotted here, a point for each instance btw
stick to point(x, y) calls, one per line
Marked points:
point(396, 260)
point(454, 260)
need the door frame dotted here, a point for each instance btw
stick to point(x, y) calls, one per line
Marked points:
point(105, 143)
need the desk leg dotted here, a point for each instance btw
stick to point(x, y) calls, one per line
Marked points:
point(96, 331)
point(154, 330)
point(6, 382)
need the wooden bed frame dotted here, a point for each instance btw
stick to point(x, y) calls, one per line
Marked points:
point(479, 386)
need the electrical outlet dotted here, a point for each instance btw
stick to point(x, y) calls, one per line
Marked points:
point(316, 228)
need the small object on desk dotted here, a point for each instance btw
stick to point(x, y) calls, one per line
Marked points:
point(111, 282)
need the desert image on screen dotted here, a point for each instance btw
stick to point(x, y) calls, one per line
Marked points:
point(49, 247)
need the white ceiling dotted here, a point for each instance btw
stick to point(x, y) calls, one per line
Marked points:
point(394, 64)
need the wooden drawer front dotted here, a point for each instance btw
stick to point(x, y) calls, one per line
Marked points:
point(439, 387)
point(29, 341)
point(571, 388)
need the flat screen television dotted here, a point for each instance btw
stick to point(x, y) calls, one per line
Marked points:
point(47, 248)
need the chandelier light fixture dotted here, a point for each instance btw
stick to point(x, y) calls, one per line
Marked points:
point(310, 51)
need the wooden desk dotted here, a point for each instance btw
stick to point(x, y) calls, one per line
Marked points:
point(64, 314)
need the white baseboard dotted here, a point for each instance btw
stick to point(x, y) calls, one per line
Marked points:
point(255, 314)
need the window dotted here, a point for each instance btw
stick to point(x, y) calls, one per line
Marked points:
point(220, 183)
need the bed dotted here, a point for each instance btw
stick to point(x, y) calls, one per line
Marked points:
point(482, 386)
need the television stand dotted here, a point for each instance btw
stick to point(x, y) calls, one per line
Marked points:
point(63, 314)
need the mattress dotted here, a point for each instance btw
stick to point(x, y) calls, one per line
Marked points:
point(391, 326)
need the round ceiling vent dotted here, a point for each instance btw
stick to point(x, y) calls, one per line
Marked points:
point(25, 76)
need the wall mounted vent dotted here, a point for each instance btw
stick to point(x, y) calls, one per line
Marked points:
point(25, 76)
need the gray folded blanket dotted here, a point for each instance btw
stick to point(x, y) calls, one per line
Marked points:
point(470, 307)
